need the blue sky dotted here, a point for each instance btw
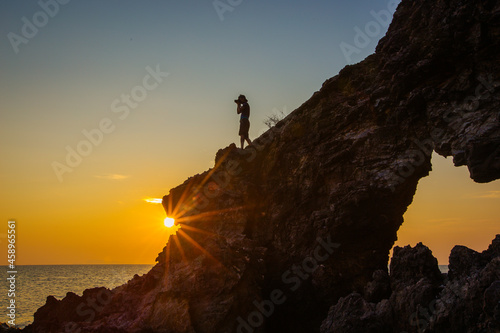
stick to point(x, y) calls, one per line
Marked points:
point(63, 80)
point(67, 75)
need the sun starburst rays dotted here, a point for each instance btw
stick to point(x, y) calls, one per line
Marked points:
point(182, 212)
point(204, 215)
point(179, 246)
point(198, 246)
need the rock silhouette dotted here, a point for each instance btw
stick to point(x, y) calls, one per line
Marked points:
point(423, 300)
point(293, 233)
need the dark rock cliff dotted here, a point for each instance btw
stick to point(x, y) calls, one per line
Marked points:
point(277, 235)
point(467, 299)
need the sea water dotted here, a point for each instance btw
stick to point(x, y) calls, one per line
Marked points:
point(35, 283)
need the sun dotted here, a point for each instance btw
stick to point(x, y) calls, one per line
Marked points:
point(169, 222)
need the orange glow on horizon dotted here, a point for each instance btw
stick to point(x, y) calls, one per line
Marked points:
point(450, 209)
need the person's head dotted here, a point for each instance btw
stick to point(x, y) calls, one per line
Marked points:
point(242, 99)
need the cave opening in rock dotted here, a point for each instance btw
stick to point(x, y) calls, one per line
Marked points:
point(450, 209)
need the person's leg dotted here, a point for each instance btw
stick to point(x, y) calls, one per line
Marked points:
point(242, 141)
point(247, 137)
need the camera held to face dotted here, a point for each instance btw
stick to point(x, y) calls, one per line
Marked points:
point(241, 99)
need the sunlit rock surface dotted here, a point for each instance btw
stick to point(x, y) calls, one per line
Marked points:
point(302, 221)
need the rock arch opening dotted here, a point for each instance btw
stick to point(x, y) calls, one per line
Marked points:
point(451, 209)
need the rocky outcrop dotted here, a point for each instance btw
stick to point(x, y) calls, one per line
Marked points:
point(4, 328)
point(424, 300)
point(276, 234)
point(471, 299)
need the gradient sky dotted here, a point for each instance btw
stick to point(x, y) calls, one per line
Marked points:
point(70, 76)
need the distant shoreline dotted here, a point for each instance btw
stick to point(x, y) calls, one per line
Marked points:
point(37, 282)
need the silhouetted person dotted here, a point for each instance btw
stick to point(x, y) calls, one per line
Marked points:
point(243, 109)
